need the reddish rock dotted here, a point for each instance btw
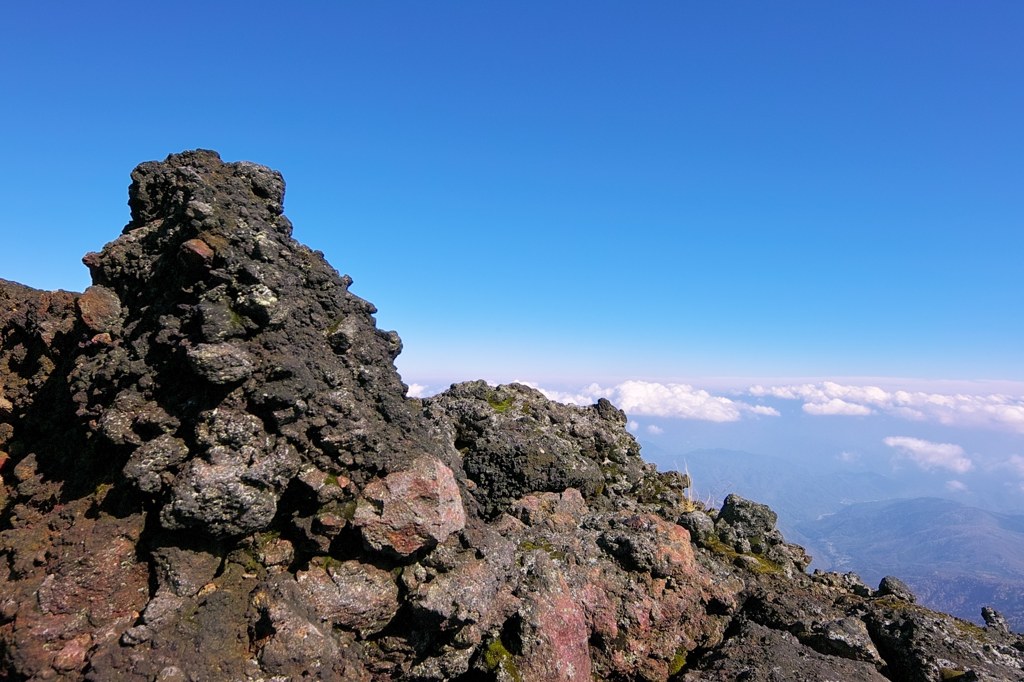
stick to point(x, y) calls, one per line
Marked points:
point(412, 509)
point(275, 546)
point(275, 552)
point(101, 339)
point(197, 252)
point(645, 542)
point(91, 593)
point(558, 511)
point(296, 648)
point(72, 655)
point(553, 630)
point(100, 310)
point(463, 595)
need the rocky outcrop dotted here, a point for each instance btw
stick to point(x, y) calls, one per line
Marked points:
point(210, 471)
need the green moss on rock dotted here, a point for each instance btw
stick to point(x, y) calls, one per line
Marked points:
point(500, 405)
point(496, 658)
point(678, 662)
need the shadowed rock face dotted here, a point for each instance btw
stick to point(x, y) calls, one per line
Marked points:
point(210, 471)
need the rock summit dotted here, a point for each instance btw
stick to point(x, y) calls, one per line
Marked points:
point(210, 470)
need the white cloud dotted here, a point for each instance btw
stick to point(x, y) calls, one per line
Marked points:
point(674, 400)
point(996, 410)
point(837, 406)
point(848, 457)
point(585, 396)
point(956, 486)
point(929, 455)
point(655, 429)
point(418, 391)
point(653, 399)
point(1014, 463)
point(633, 426)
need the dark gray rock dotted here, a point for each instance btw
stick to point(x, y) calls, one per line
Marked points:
point(235, 489)
point(813, 616)
point(742, 520)
point(849, 582)
point(749, 528)
point(893, 586)
point(700, 526)
point(221, 363)
point(993, 619)
point(759, 654)
point(514, 441)
point(153, 464)
point(918, 644)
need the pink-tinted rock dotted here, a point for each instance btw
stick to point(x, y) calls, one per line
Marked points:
point(460, 596)
point(412, 509)
point(557, 511)
point(645, 542)
point(297, 648)
point(72, 655)
point(102, 339)
point(554, 631)
point(275, 552)
point(674, 555)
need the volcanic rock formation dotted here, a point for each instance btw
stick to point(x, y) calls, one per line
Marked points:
point(210, 471)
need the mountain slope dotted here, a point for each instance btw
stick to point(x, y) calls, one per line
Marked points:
point(957, 558)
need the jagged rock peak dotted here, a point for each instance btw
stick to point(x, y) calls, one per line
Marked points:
point(242, 351)
point(163, 188)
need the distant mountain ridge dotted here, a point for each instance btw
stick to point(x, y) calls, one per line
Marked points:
point(957, 558)
point(796, 496)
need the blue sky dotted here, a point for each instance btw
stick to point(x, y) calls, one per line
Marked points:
point(708, 195)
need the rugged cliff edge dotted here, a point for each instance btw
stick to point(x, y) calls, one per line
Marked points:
point(210, 471)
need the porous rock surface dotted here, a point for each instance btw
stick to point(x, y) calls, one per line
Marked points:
point(210, 471)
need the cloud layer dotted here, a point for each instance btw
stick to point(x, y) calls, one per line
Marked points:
point(654, 399)
point(958, 409)
point(826, 398)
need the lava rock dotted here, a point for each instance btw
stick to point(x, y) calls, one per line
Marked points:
point(100, 310)
point(514, 442)
point(894, 587)
point(410, 510)
point(221, 363)
point(350, 595)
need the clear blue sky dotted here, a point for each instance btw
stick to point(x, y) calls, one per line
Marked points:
point(560, 191)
